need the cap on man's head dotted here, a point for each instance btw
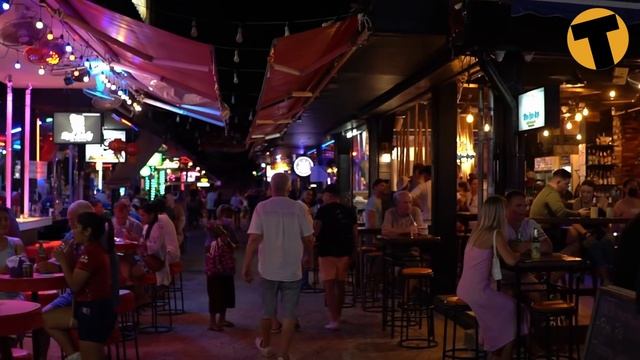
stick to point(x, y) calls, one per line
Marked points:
point(380, 181)
point(332, 189)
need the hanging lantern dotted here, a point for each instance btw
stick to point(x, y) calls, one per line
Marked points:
point(194, 29)
point(236, 57)
point(239, 37)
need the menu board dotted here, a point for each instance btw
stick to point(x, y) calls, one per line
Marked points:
point(531, 110)
point(615, 325)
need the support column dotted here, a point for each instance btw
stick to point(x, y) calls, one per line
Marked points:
point(8, 162)
point(343, 163)
point(444, 186)
point(26, 149)
point(374, 150)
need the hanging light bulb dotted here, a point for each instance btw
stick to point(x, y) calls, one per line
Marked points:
point(85, 78)
point(72, 57)
point(49, 35)
point(545, 133)
point(585, 111)
point(239, 37)
point(612, 94)
point(120, 93)
point(578, 117)
point(286, 29)
point(113, 87)
point(6, 5)
point(17, 65)
point(39, 24)
point(194, 29)
point(236, 56)
point(233, 98)
point(68, 48)
point(251, 115)
point(569, 125)
point(487, 127)
point(469, 118)
point(235, 77)
point(41, 70)
point(579, 137)
point(76, 72)
point(129, 102)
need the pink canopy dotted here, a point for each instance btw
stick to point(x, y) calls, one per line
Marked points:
point(300, 65)
point(175, 69)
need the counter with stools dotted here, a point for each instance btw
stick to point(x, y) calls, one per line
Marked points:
point(552, 314)
point(459, 314)
point(416, 305)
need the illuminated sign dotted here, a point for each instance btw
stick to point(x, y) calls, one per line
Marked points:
point(72, 128)
point(95, 152)
point(302, 166)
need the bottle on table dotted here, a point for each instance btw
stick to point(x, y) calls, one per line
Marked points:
point(535, 245)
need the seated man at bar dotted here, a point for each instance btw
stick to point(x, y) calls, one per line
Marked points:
point(373, 214)
point(548, 204)
point(403, 218)
point(595, 240)
point(520, 232)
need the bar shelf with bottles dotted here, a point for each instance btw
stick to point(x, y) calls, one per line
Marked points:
point(601, 164)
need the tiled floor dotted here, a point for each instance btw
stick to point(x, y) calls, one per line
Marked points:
point(360, 338)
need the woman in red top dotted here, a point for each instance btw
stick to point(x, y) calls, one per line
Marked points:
point(91, 283)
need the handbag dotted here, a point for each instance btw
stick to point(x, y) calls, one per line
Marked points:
point(220, 259)
point(496, 271)
point(153, 262)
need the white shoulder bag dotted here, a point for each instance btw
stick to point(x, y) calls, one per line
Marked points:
point(496, 271)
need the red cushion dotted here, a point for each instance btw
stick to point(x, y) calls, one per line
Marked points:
point(127, 302)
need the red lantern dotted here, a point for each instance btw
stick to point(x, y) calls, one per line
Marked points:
point(132, 149)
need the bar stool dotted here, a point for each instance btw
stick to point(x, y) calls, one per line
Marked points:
point(456, 311)
point(350, 291)
point(392, 294)
point(554, 312)
point(176, 291)
point(160, 303)
point(128, 321)
point(416, 305)
point(370, 298)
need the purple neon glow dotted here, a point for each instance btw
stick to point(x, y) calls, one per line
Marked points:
point(7, 162)
point(27, 147)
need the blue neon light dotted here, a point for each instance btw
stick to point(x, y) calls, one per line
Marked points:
point(16, 130)
point(327, 143)
point(49, 120)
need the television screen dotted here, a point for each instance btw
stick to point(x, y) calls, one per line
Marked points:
point(531, 110)
point(100, 152)
point(77, 128)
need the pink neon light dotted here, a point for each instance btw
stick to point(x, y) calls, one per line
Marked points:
point(27, 146)
point(8, 145)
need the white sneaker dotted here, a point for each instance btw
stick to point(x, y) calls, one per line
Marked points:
point(264, 351)
point(74, 356)
point(332, 325)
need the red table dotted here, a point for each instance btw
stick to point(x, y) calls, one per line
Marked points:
point(39, 282)
point(18, 317)
point(49, 246)
point(126, 246)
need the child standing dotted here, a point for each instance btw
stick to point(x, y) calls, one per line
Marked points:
point(220, 268)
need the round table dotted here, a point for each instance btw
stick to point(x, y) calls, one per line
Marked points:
point(126, 246)
point(39, 282)
point(18, 317)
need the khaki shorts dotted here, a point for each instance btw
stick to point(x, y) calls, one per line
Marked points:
point(333, 268)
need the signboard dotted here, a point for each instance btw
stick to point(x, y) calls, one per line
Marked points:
point(77, 128)
point(95, 152)
point(302, 166)
point(548, 163)
point(615, 324)
point(531, 110)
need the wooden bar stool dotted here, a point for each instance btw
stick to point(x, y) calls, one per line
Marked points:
point(371, 282)
point(416, 305)
point(456, 311)
point(552, 313)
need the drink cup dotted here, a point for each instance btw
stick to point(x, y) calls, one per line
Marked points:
point(594, 212)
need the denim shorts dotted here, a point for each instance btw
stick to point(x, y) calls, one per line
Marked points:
point(287, 291)
point(62, 301)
